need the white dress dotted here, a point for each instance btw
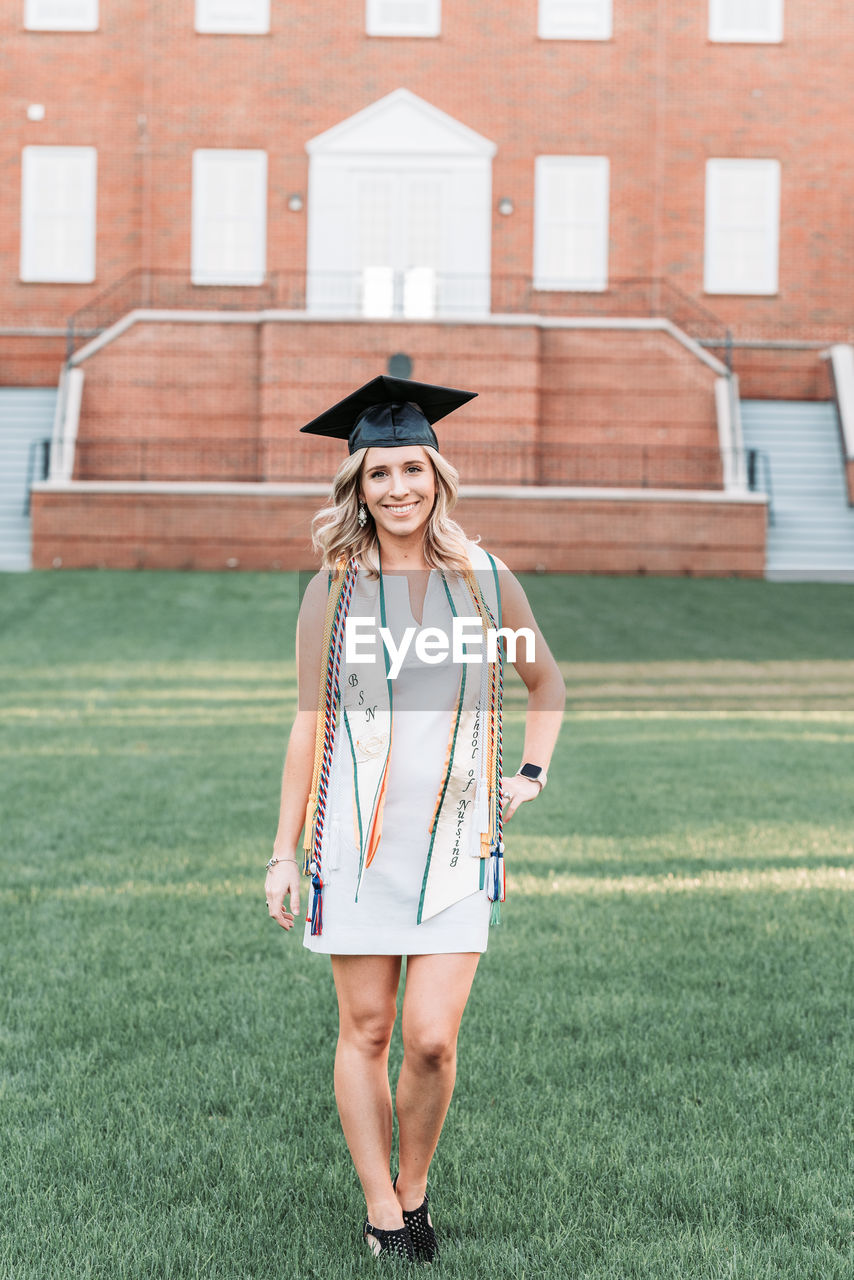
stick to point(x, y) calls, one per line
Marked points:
point(384, 920)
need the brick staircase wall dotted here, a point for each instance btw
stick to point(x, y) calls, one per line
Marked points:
point(556, 406)
point(568, 416)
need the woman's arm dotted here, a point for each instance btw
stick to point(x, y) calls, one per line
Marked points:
point(283, 880)
point(546, 691)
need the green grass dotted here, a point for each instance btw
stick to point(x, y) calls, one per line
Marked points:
point(655, 1069)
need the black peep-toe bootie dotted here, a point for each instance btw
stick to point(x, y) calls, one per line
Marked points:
point(395, 1242)
point(423, 1236)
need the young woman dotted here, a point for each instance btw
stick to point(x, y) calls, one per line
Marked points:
point(394, 764)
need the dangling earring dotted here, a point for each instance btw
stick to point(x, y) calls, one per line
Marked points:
point(363, 515)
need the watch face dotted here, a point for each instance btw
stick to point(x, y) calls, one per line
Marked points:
point(531, 771)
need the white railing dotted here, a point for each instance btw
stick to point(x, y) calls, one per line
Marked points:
point(66, 420)
point(730, 438)
point(841, 357)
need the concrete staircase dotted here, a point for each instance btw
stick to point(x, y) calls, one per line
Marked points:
point(26, 417)
point(811, 537)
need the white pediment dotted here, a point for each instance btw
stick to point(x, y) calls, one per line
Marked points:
point(401, 123)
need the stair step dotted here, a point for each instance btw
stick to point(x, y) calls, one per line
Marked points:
point(810, 485)
point(26, 419)
point(809, 575)
point(796, 525)
point(811, 531)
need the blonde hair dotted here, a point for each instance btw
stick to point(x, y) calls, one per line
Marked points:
point(336, 532)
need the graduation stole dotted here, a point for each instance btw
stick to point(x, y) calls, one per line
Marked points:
point(466, 848)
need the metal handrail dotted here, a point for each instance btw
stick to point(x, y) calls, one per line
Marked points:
point(508, 461)
point(455, 294)
point(44, 445)
point(759, 477)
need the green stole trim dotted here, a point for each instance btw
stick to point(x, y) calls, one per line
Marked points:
point(447, 777)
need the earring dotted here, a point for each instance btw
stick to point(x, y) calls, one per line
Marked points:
point(363, 515)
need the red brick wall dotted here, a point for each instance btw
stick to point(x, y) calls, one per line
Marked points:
point(620, 392)
point(172, 383)
point(781, 375)
point(786, 102)
point(92, 86)
point(308, 367)
point(658, 99)
point(31, 362)
point(849, 473)
point(77, 529)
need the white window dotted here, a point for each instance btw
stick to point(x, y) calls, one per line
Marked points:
point(742, 226)
point(229, 217)
point(571, 222)
point(575, 20)
point(58, 191)
point(234, 17)
point(760, 21)
point(403, 17)
point(61, 15)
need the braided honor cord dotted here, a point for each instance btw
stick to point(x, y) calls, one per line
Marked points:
point(495, 884)
point(338, 606)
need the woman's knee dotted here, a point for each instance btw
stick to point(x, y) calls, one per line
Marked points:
point(367, 1001)
point(368, 1031)
point(429, 1046)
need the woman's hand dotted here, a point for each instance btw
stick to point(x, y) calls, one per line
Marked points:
point(515, 790)
point(283, 881)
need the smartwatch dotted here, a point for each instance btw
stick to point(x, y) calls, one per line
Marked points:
point(533, 771)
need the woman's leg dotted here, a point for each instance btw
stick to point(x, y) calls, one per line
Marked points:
point(367, 1007)
point(437, 988)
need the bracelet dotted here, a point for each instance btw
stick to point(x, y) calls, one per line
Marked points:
point(274, 861)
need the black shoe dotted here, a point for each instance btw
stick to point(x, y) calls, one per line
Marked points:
point(423, 1236)
point(396, 1242)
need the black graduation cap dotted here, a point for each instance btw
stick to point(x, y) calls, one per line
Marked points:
point(387, 412)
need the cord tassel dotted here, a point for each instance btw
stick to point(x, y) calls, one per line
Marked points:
point(316, 902)
point(495, 886)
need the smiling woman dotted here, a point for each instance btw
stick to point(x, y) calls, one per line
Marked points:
point(403, 842)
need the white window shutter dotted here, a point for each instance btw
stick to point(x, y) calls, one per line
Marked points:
point(575, 20)
point(571, 222)
point(61, 15)
point(229, 217)
point(403, 17)
point(746, 20)
point(742, 226)
point(235, 17)
point(58, 197)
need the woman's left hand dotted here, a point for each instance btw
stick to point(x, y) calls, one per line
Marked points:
point(515, 790)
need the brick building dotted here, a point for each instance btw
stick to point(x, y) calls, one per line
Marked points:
point(613, 219)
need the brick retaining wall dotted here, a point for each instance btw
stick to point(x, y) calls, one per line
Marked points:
point(79, 528)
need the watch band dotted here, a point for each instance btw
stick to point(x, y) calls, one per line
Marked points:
point(535, 772)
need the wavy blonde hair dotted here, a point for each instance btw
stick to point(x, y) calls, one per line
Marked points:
point(336, 532)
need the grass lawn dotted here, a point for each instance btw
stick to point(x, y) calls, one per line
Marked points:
point(656, 1070)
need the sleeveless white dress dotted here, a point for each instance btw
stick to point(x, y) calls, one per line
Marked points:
point(384, 920)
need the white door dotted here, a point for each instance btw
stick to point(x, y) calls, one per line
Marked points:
point(398, 234)
point(394, 242)
point(399, 213)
